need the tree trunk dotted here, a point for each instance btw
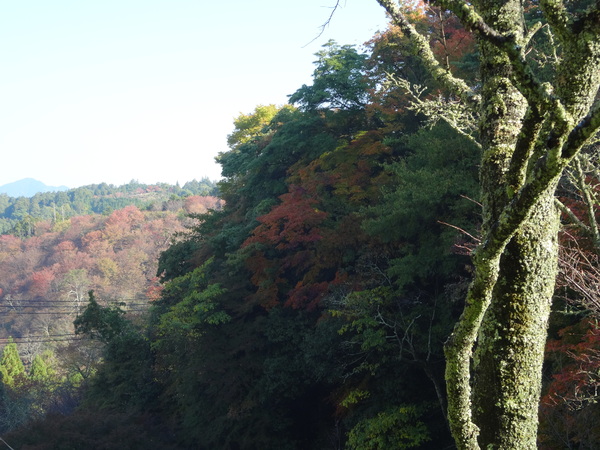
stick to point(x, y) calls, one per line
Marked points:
point(507, 363)
point(529, 133)
point(510, 350)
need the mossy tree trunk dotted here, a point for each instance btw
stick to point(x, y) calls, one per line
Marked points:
point(529, 132)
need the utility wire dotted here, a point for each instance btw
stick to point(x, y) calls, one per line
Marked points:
point(45, 341)
point(137, 305)
point(42, 299)
point(66, 313)
point(43, 336)
point(6, 443)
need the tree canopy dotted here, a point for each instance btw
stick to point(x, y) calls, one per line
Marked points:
point(378, 271)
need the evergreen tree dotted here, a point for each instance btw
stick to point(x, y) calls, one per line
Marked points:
point(11, 366)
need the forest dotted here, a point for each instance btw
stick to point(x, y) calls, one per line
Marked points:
point(19, 215)
point(308, 299)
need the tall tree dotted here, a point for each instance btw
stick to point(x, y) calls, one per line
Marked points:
point(11, 366)
point(529, 132)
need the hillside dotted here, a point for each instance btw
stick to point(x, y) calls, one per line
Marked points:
point(18, 215)
point(115, 255)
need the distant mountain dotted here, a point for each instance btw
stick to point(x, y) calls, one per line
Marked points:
point(28, 187)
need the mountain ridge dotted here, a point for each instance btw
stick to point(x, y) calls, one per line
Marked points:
point(28, 187)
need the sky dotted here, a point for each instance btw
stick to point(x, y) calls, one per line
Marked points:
point(117, 90)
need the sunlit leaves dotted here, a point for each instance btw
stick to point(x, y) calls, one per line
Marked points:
point(339, 81)
point(251, 126)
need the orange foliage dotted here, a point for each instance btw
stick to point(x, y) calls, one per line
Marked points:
point(197, 204)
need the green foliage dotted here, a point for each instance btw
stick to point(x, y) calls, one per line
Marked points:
point(125, 378)
point(177, 260)
point(434, 195)
point(196, 303)
point(339, 80)
point(99, 322)
point(12, 370)
point(41, 371)
point(396, 428)
point(251, 126)
point(19, 216)
point(25, 397)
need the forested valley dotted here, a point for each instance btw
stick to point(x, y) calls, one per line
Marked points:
point(304, 300)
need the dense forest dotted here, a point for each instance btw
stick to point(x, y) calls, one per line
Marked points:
point(304, 301)
point(19, 215)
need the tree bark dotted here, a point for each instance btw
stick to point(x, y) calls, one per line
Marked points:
point(529, 133)
point(508, 360)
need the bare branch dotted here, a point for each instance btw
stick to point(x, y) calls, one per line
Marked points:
point(461, 230)
point(579, 271)
point(334, 8)
point(589, 200)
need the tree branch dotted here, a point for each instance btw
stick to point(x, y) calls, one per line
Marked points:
point(558, 18)
point(589, 200)
point(334, 8)
point(473, 21)
point(572, 217)
point(585, 129)
point(530, 130)
point(528, 85)
point(423, 50)
point(458, 351)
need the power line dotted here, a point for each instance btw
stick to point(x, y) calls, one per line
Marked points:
point(45, 341)
point(138, 306)
point(43, 336)
point(41, 339)
point(33, 300)
point(65, 313)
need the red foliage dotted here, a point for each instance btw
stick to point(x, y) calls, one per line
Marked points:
point(302, 244)
point(127, 217)
point(292, 230)
point(78, 226)
point(291, 224)
point(307, 296)
point(568, 409)
point(450, 41)
point(41, 282)
point(351, 175)
point(119, 254)
point(67, 256)
point(94, 243)
point(577, 353)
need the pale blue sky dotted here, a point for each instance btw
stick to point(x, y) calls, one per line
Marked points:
point(112, 90)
